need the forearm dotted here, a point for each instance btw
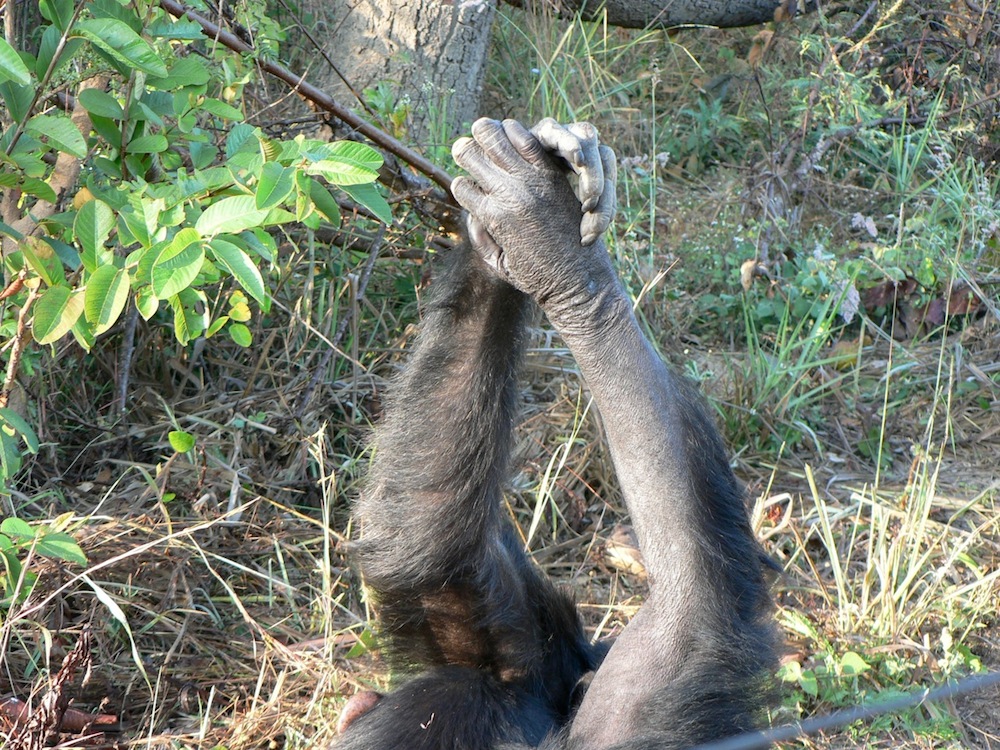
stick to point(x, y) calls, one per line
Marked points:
point(671, 464)
point(444, 439)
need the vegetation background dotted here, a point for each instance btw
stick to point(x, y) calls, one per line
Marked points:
point(810, 227)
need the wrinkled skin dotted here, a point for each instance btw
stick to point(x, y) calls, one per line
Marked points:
point(512, 174)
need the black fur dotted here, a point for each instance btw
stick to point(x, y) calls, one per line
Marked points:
point(453, 588)
point(497, 652)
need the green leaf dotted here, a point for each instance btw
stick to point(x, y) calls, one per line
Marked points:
point(369, 197)
point(106, 295)
point(323, 202)
point(261, 243)
point(358, 154)
point(43, 190)
point(20, 426)
point(304, 207)
point(242, 268)
point(18, 99)
point(141, 218)
point(190, 314)
point(58, 12)
point(180, 441)
point(202, 154)
point(18, 529)
point(216, 326)
point(178, 264)
point(83, 332)
point(148, 144)
point(12, 67)
point(60, 132)
point(240, 311)
point(66, 253)
point(7, 229)
point(790, 671)
point(221, 109)
point(184, 72)
point(120, 42)
point(49, 47)
point(339, 172)
point(56, 311)
point(853, 664)
point(43, 260)
point(118, 10)
point(809, 683)
point(92, 227)
point(240, 334)
point(146, 302)
point(239, 134)
point(10, 456)
point(277, 216)
point(181, 29)
point(275, 185)
point(143, 260)
point(59, 546)
point(233, 214)
point(102, 104)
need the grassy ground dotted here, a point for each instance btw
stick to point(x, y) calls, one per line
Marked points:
point(854, 363)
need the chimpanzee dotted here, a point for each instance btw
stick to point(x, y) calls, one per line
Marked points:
point(499, 653)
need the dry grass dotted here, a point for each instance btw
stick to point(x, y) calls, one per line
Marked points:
point(220, 598)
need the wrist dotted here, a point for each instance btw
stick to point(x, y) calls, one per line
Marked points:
point(595, 304)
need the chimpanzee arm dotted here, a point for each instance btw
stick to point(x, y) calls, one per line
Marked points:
point(685, 668)
point(431, 515)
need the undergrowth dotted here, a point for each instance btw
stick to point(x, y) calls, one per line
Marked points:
point(810, 227)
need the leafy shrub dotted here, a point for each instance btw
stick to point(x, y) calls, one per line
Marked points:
point(178, 195)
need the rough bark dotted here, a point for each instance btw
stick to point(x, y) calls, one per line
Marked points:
point(432, 52)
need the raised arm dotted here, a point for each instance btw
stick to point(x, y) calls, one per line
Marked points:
point(685, 669)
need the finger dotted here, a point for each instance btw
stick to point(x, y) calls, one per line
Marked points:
point(469, 155)
point(577, 145)
point(357, 706)
point(525, 143)
point(596, 222)
point(468, 194)
point(492, 138)
point(483, 243)
point(558, 140)
point(591, 170)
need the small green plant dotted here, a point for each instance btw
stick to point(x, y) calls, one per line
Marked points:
point(705, 134)
point(19, 541)
point(834, 680)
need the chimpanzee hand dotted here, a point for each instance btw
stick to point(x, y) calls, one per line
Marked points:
point(526, 220)
point(577, 145)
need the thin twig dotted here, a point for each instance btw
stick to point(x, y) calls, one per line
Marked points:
point(17, 346)
point(125, 365)
point(322, 52)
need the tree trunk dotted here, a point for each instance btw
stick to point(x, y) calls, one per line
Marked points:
point(427, 55)
point(638, 14)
